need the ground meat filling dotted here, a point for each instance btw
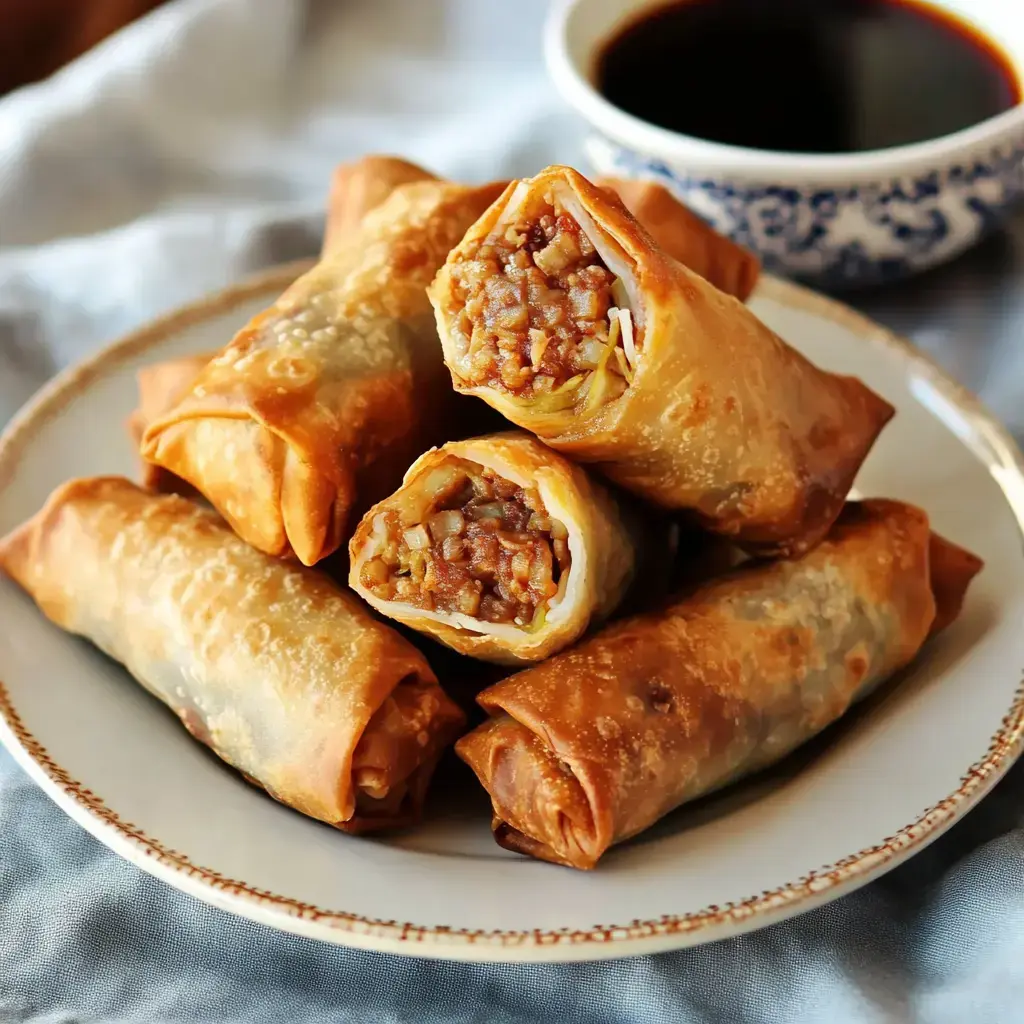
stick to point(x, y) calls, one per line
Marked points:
point(486, 548)
point(541, 315)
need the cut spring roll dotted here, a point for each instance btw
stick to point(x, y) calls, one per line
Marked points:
point(280, 672)
point(684, 236)
point(597, 744)
point(320, 402)
point(560, 311)
point(161, 387)
point(496, 546)
point(361, 186)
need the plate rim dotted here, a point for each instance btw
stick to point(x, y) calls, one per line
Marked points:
point(668, 932)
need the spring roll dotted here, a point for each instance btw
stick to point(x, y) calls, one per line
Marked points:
point(684, 236)
point(356, 188)
point(320, 403)
point(361, 186)
point(561, 312)
point(280, 672)
point(598, 743)
point(161, 387)
point(496, 546)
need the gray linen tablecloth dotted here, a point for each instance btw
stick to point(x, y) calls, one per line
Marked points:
point(196, 146)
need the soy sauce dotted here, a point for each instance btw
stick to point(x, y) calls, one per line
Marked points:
point(806, 76)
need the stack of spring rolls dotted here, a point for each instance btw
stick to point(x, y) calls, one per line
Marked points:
point(506, 401)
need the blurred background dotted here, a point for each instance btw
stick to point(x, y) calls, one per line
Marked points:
point(38, 37)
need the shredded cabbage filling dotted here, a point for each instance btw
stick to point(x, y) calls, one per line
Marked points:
point(541, 316)
point(484, 547)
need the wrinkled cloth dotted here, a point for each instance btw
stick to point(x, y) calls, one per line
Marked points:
point(196, 146)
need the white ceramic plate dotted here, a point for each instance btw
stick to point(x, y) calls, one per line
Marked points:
point(872, 791)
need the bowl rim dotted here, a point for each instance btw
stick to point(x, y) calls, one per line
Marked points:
point(701, 155)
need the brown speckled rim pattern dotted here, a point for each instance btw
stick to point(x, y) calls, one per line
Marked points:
point(600, 941)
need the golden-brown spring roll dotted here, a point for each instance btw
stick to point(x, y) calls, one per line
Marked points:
point(361, 186)
point(283, 674)
point(161, 387)
point(497, 546)
point(598, 743)
point(561, 312)
point(687, 238)
point(320, 403)
point(356, 188)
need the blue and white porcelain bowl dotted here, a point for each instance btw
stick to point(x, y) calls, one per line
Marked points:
point(840, 220)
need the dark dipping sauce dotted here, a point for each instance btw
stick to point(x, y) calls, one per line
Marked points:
point(806, 76)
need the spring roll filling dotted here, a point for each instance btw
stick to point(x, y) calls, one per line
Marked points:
point(481, 546)
point(541, 316)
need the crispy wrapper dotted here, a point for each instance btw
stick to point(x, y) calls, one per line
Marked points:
point(280, 672)
point(685, 237)
point(722, 418)
point(361, 186)
point(598, 743)
point(161, 387)
point(603, 552)
point(356, 188)
point(320, 402)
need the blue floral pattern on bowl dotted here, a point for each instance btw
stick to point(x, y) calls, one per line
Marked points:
point(849, 236)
